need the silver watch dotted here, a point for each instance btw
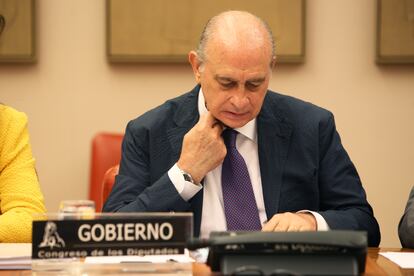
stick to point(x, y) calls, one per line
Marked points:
point(187, 176)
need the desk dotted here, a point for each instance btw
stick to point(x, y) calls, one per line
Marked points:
point(379, 265)
point(376, 265)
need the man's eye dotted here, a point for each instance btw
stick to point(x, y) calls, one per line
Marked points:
point(253, 85)
point(227, 84)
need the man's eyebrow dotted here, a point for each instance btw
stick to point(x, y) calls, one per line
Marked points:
point(223, 78)
point(260, 79)
point(229, 79)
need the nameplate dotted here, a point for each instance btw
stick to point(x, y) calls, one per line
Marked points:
point(105, 235)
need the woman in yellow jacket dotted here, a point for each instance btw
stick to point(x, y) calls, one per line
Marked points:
point(20, 195)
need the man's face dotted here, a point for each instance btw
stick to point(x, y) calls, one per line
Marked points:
point(234, 85)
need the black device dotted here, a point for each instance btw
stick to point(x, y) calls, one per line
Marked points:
point(288, 253)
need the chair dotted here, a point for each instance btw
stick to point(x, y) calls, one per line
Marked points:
point(108, 182)
point(106, 153)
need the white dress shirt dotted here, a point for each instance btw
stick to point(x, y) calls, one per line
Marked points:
point(213, 217)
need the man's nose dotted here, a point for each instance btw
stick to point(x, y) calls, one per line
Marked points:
point(239, 99)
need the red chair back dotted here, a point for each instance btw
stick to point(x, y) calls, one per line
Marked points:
point(106, 153)
point(108, 182)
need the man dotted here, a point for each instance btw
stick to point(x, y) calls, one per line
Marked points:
point(296, 176)
point(406, 225)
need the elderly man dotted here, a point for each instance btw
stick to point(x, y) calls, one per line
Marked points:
point(240, 157)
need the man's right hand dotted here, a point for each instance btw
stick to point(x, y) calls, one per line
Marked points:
point(203, 148)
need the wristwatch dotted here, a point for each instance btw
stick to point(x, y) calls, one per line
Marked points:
point(187, 176)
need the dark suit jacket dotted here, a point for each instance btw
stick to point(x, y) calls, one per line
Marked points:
point(302, 163)
point(406, 225)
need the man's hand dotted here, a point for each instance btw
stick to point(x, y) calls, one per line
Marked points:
point(203, 148)
point(291, 222)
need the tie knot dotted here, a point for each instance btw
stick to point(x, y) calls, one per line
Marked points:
point(229, 136)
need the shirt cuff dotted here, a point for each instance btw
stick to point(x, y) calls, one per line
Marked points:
point(186, 189)
point(321, 224)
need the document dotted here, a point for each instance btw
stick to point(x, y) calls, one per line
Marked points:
point(179, 258)
point(403, 259)
point(15, 256)
point(148, 265)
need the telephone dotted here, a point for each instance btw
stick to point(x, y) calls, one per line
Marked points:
point(288, 253)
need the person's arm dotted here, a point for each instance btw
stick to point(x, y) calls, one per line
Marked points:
point(134, 190)
point(20, 195)
point(406, 225)
point(343, 202)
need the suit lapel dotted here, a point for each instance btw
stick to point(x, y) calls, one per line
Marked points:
point(185, 118)
point(274, 132)
point(175, 137)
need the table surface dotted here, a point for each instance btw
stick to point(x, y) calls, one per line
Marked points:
point(375, 265)
point(379, 265)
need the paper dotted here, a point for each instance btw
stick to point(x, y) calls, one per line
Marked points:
point(403, 259)
point(148, 265)
point(179, 258)
point(200, 255)
point(15, 256)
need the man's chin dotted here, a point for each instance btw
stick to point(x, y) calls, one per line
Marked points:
point(234, 123)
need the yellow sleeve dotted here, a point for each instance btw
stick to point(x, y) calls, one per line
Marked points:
point(20, 194)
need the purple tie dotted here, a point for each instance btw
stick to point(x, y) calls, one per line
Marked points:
point(240, 205)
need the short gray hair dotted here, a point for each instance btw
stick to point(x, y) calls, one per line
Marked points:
point(208, 32)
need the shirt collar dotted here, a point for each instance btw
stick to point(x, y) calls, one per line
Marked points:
point(248, 130)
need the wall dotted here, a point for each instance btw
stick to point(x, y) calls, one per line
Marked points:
point(71, 93)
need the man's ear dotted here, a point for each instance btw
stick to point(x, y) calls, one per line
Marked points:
point(195, 64)
point(273, 63)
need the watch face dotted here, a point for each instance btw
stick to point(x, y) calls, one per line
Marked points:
point(187, 177)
